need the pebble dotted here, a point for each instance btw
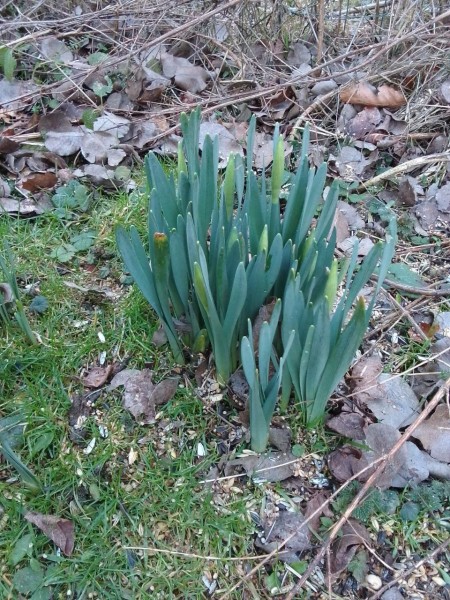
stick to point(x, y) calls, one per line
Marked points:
point(374, 581)
point(438, 581)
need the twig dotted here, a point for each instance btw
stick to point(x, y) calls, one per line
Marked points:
point(369, 483)
point(192, 555)
point(409, 165)
point(410, 289)
point(416, 327)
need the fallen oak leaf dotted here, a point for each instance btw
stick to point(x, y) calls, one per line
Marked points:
point(367, 95)
point(59, 530)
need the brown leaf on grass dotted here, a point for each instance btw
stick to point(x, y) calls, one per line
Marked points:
point(343, 548)
point(141, 395)
point(38, 181)
point(434, 434)
point(367, 95)
point(97, 376)
point(59, 530)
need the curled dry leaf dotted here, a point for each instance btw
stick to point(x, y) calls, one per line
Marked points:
point(60, 531)
point(367, 95)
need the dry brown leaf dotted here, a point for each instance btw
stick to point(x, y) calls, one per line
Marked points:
point(343, 549)
point(97, 376)
point(60, 531)
point(367, 95)
point(434, 434)
point(141, 395)
point(38, 181)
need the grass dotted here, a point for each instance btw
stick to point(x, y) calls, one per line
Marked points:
point(157, 501)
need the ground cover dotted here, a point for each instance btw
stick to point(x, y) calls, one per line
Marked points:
point(162, 498)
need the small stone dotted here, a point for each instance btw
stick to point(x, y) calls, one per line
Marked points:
point(374, 581)
point(438, 581)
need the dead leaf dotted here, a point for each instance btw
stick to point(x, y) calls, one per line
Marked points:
point(364, 122)
point(56, 50)
point(60, 135)
point(273, 466)
point(299, 54)
point(351, 163)
point(343, 548)
point(280, 438)
point(445, 91)
point(346, 462)
point(391, 400)
point(443, 198)
point(418, 466)
point(100, 146)
point(353, 218)
point(227, 142)
point(348, 424)
point(38, 181)
point(27, 207)
point(285, 525)
point(97, 376)
point(141, 395)
point(187, 76)
point(15, 95)
point(59, 530)
point(367, 95)
point(318, 501)
point(381, 438)
point(434, 434)
point(407, 191)
point(113, 124)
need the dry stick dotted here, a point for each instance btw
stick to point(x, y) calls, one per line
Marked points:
point(409, 165)
point(321, 24)
point(404, 574)
point(407, 314)
point(410, 289)
point(369, 483)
